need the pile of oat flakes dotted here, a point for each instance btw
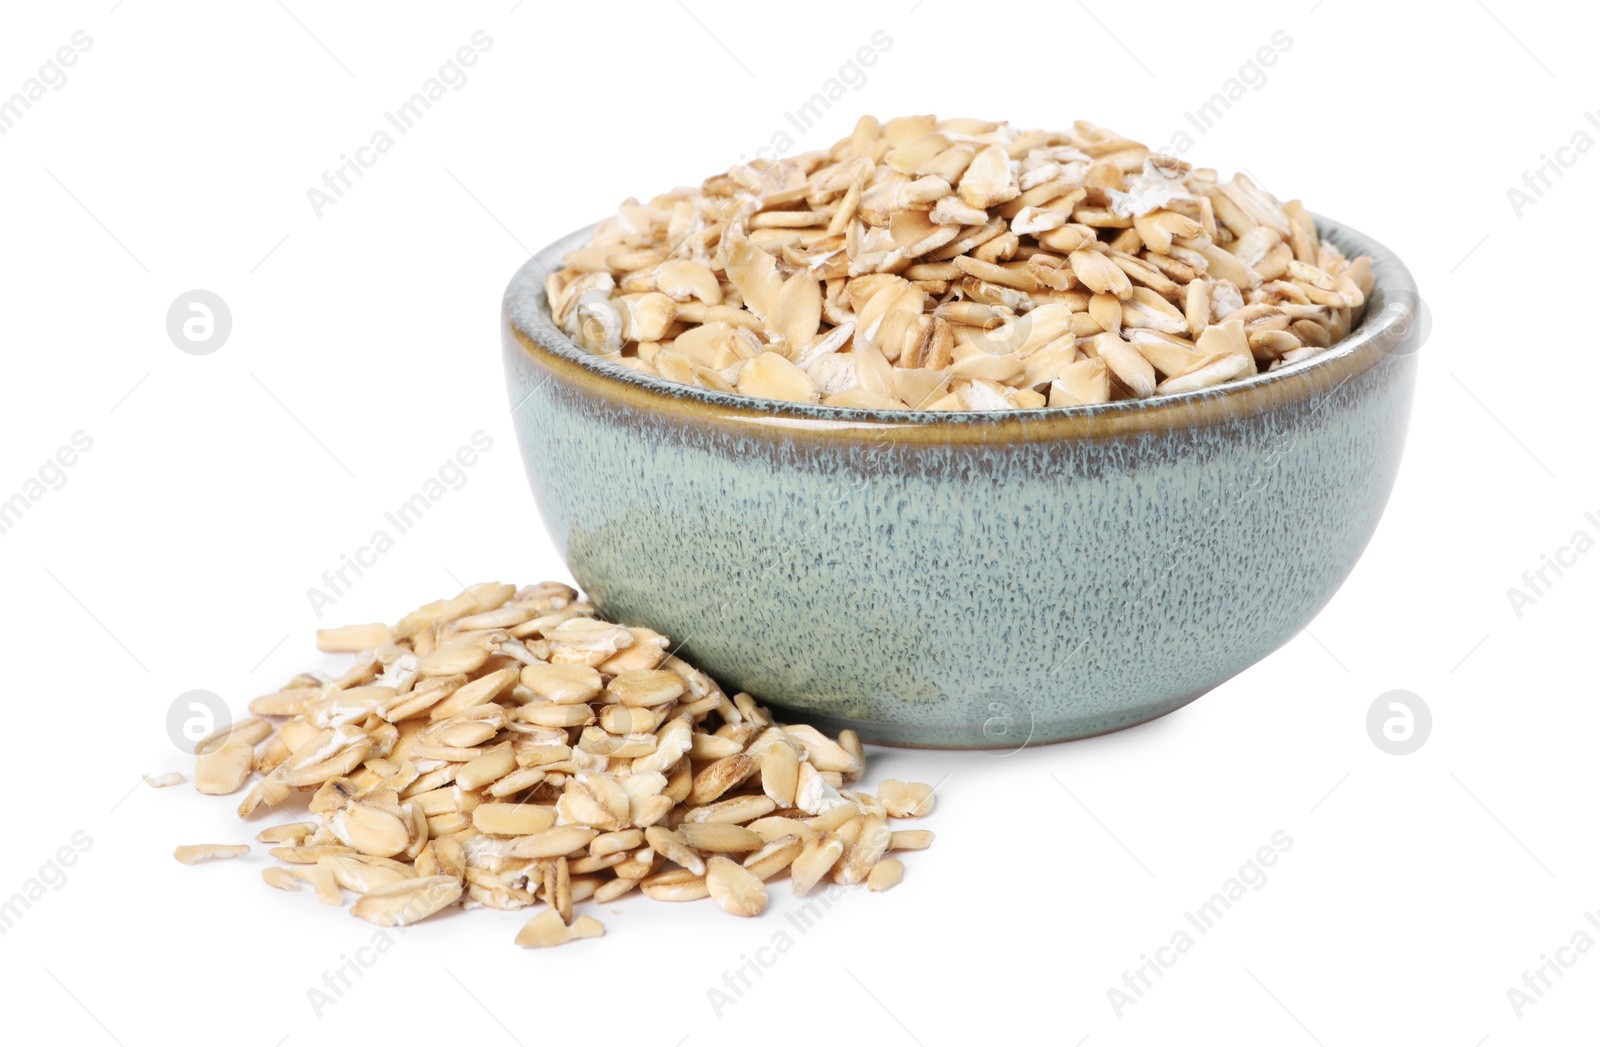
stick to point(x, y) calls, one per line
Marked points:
point(508, 748)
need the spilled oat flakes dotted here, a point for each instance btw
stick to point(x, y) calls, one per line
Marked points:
point(507, 749)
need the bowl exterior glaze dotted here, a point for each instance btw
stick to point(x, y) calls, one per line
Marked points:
point(966, 580)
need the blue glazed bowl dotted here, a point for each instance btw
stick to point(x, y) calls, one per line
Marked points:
point(967, 579)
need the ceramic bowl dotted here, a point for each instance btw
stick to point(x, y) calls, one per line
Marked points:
point(966, 579)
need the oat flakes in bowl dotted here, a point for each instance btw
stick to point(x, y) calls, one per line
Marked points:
point(960, 265)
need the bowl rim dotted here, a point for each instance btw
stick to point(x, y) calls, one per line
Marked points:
point(1389, 328)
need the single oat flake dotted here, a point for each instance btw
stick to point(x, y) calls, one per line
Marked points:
point(958, 265)
point(509, 749)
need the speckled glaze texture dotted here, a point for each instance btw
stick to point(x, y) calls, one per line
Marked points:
point(966, 580)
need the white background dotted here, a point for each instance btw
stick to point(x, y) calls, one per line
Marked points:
point(364, 351)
